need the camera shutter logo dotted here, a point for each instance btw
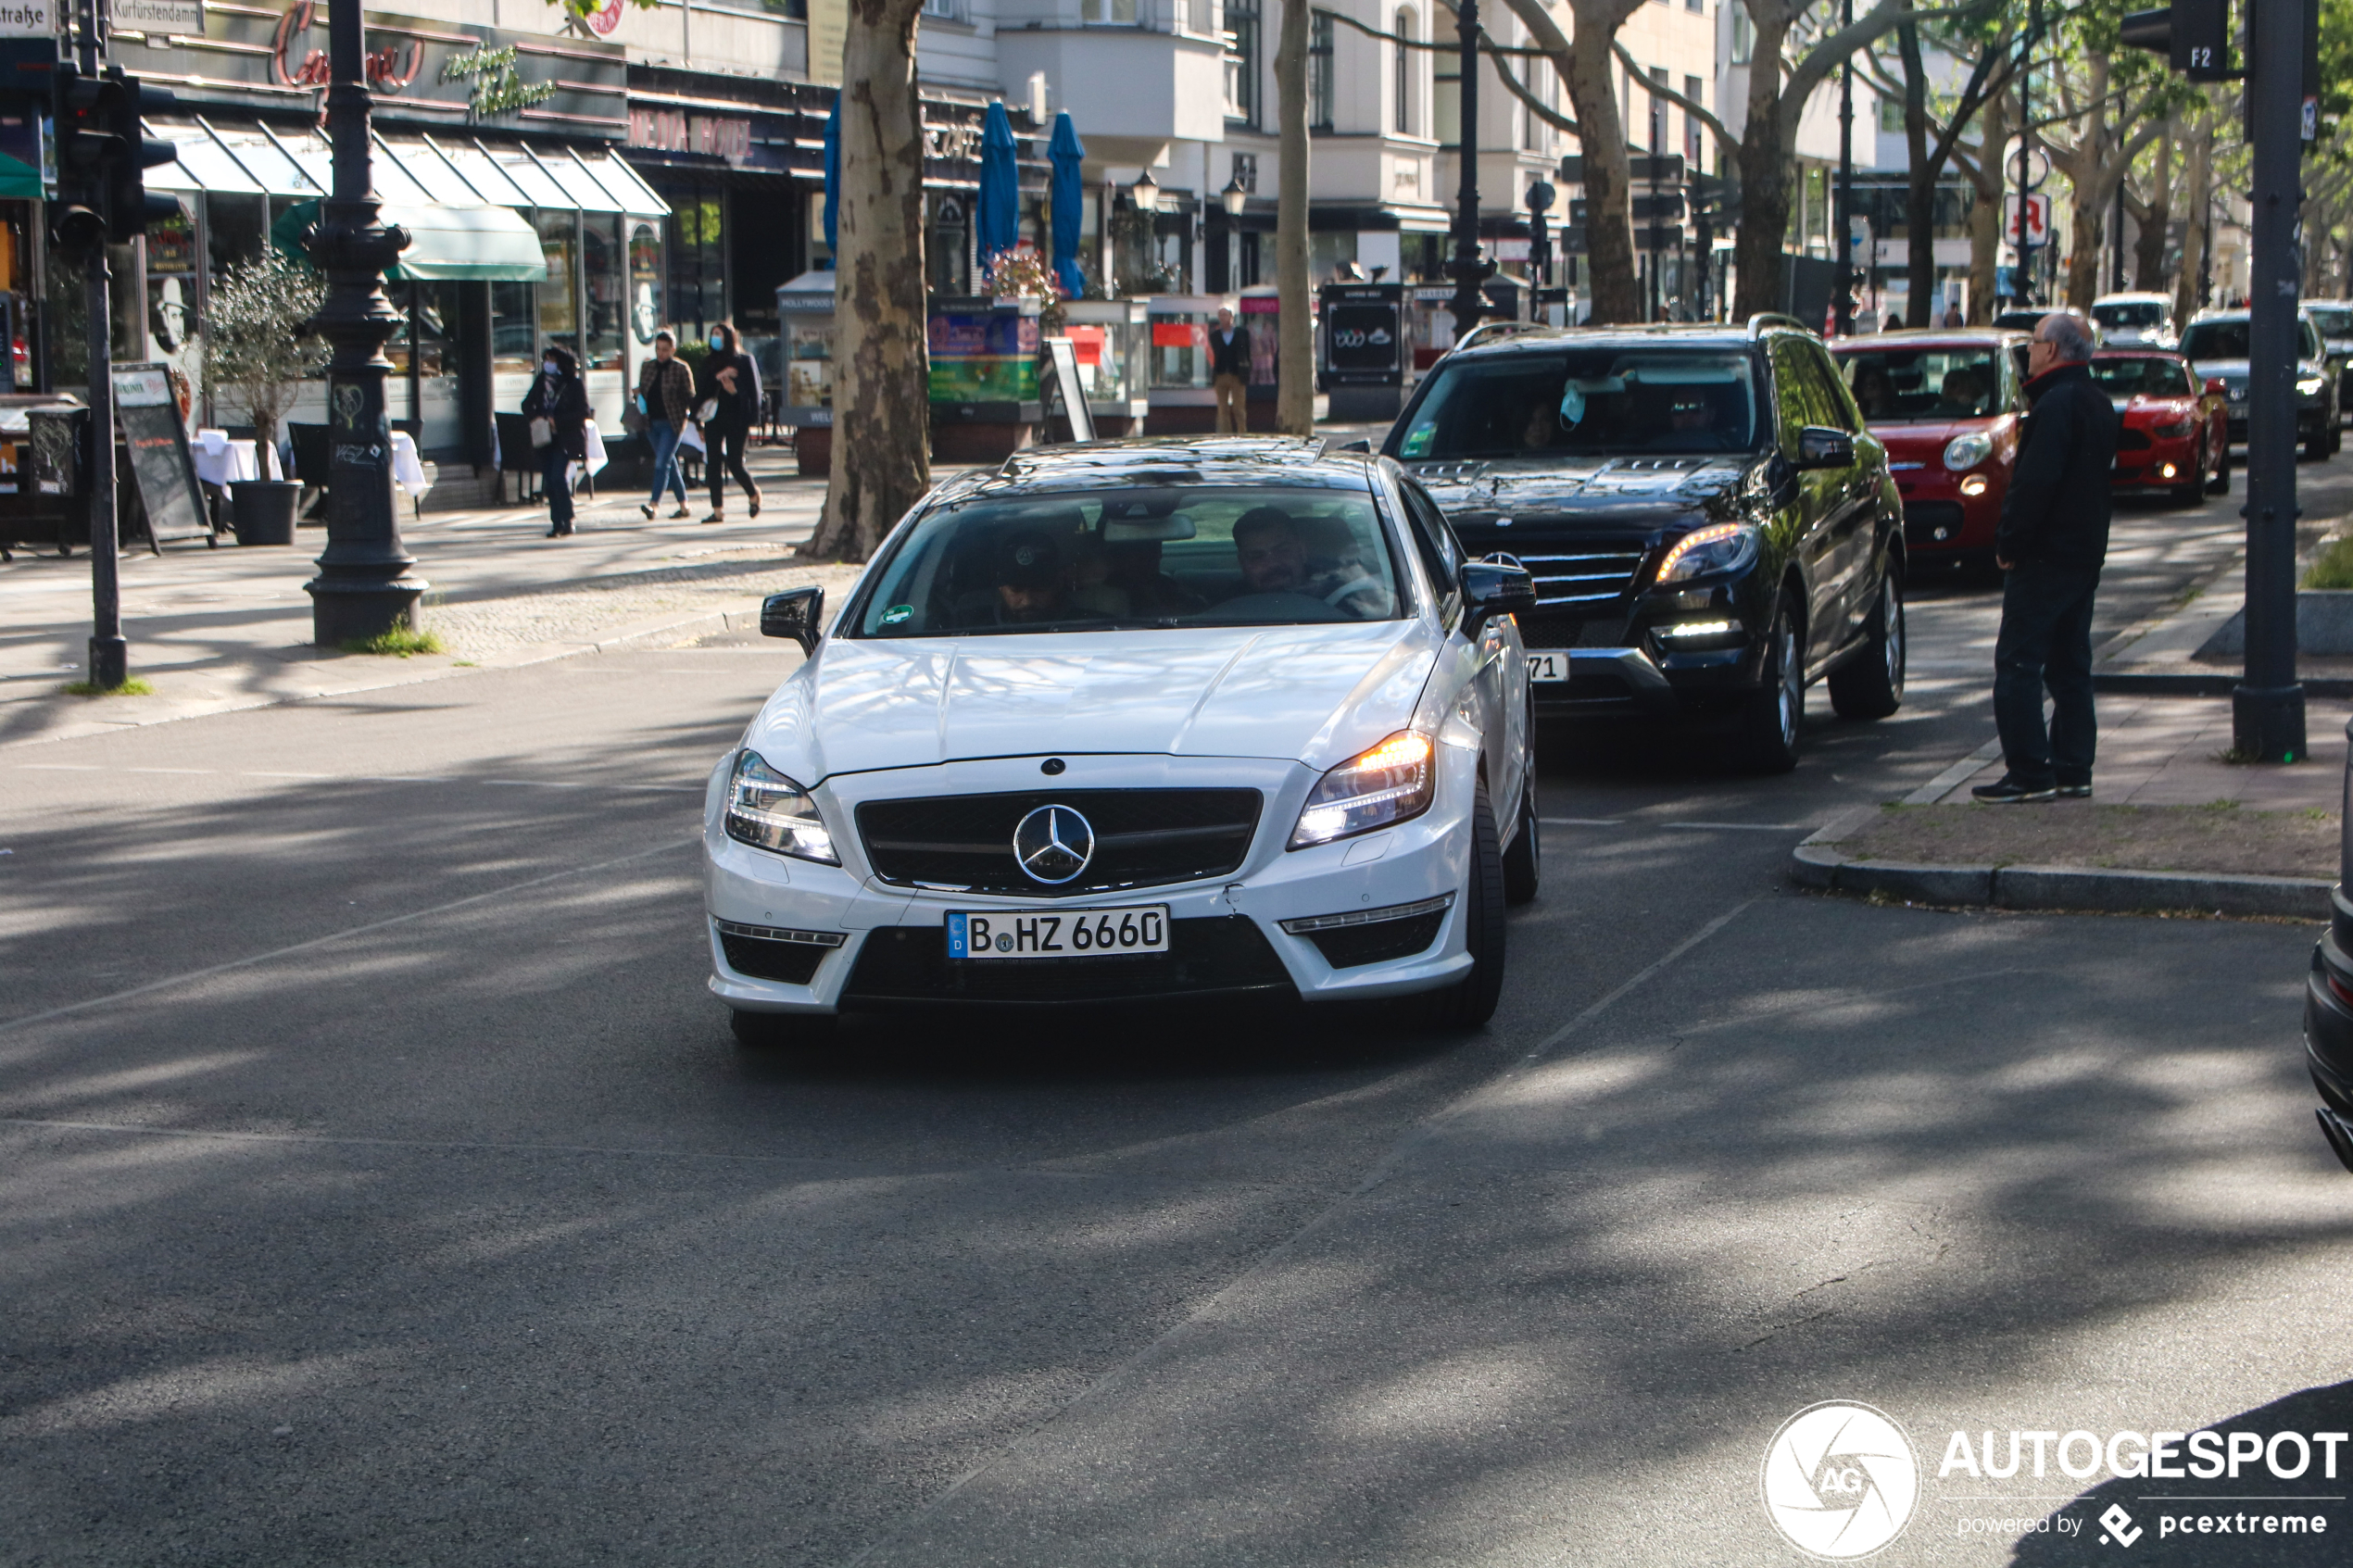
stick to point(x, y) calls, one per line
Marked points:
point(1840, 1480)
point(1053, 845)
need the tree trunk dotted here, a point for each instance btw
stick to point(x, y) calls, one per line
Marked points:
point(1919, 206)
point(1295, 344)
point(2196, 198)
point(2148, 251)
point(1764, 177)
point(2094, 191)
point(1985, 217)
point(1609, 219)
point(881, 395)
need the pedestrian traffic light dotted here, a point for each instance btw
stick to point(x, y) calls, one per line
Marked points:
point(131, 207)
point(78, 216)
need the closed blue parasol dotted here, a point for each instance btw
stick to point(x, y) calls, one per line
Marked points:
point(832, 176)
point(1066, 150)
point(997, 223)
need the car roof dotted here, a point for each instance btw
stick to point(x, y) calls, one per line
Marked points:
point(1692, 334)
point(1311, 463)
point(1930, 337)
point(2134, 296)
point(2139, 351)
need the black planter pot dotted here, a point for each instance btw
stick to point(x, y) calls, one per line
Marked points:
point(263, 511)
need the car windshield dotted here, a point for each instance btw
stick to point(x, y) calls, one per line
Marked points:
point(2336, 321)
point(1924, 383)
point(1596, 402)
point(1141, 559)
point(2216, 340)
point(2147, 375)
point(2129, 313)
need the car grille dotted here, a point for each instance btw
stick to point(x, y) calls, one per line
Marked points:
point(765, 954)
point(1349, 947)
point(1567, 572)
point(1143, 837)
point(2132, 440)
point(1219, 954)
point(1566, 628)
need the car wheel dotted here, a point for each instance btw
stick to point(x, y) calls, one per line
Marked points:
point(2316, 447)
point(781, 1030)
point(1470, 1001)
point(1767, 726)
point(2191, 491)
point(1523, 863)
point(2221, 485)
point(1870, 685)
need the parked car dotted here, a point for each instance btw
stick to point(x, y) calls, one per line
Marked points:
point(1946, 405)
point(2328, 1010)
point(1136, 722)
point(2215, 342)
point(1710, 525)
point(2135, 320)
point(2024, 319)
point(2334, 317)
point(2174, 431)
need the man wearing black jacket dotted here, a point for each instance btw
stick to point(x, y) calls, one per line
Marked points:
point(1230, 373)
point(2052, 542)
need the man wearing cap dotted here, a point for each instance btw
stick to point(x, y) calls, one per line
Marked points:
point(1032, 579)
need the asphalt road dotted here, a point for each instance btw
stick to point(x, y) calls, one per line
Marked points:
point(377, 1183)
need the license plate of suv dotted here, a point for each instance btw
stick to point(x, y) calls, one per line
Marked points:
point(1058, 934)
point(1550, 664)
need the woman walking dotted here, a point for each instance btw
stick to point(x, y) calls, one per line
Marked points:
point(666, 393)
point(557, 406)
point(727, 395)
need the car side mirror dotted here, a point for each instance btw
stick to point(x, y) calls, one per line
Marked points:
point(1357, 445)
point(795, 613)
point(1820, 447)
point(1493, 588)
point(2216, 386)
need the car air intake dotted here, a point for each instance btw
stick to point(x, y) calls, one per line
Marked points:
point(766, 953)
point(964, 843)
point(1221, 955)
point(1362, 936)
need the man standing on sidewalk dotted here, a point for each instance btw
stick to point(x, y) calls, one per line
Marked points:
point(1230, 374)
point(2052, 542)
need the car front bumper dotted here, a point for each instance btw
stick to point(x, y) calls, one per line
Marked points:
point(2146, 467)
point(880, 945)
point(1940, 521)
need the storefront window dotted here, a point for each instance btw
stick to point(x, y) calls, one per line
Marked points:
point(698, 264)
point(435, 314)
point(171, 280)
point(645, 283)
point(601, 262)
point(234, 227)
point(514, 328)
point(559, 241)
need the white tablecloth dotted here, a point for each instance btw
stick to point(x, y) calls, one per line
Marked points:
point(406, 470)
point(597, 458)
point(221, 461)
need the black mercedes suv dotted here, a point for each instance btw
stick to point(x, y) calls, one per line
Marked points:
point(1710, 526)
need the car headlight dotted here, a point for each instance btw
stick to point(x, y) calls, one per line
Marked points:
point(769, 811)
point(2311, 386)
point(1720, 546)
point(1967, 451)
point(1392, 783)
point(2173, 431)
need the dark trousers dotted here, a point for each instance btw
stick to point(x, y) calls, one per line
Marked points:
point(726, 456)
point(555, 477)
point(2045, 641)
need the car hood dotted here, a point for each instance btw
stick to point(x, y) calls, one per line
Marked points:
point(1622, 489)
point(1912, 438)
point(1319, 694)
point(2229, 369)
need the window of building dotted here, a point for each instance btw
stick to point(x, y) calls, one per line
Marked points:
point(942, 11)
point(1696, 6)
point(1694, 138)
point(1246, 171)
point(1319, 72)
point(1402, 89)
point(1116, 12)
point(1744, 36)
point(1446, 97)
point(560, 243)
point(1241, 60)
point(1891, 115)
point(697, 257)
point(1657, 128)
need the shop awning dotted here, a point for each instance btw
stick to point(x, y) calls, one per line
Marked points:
point(445, 244)
point(19, 180)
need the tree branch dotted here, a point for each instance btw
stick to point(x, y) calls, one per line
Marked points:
point(1660, 89)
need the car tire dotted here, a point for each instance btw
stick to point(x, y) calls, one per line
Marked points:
point(1765, 727)
point(1523, 863)
point(2191, 491)
point(2316, 447)
point(1470, 1001)
point(2221, 485)
point(781, 1030)
point(1870, 685)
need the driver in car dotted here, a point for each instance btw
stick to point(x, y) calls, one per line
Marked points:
point(1033, 580)
point(1272, 549)
point(1691, 422)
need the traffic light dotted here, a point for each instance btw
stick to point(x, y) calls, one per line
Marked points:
point(2194, 35)
point(131, 207)
point(104, 153)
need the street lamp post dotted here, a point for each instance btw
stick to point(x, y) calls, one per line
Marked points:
point(1468, 271)
point(363, 588)
point(1842, 226)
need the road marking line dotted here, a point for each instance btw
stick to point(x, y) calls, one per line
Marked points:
point(1581, 821)
point(1641, 977)
point(361, 778)
point(1934, 790)
point(193, 974)
point(1742, 827)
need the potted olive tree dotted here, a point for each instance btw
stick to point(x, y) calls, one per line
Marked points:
point(255, 359)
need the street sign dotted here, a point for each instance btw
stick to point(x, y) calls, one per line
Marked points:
point(1666, 206)
point(28, 18)
point(2038, 220)
point(1661, 169)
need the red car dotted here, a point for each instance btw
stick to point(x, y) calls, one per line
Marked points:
point(2176, 434)
point(1946, 404)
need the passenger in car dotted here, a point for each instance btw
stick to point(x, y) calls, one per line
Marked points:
point(1135, 571)
point(1032, 582)
point(1092, 588)
point(1272, 547)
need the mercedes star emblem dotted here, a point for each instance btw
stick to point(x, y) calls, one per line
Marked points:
point(1053, 845)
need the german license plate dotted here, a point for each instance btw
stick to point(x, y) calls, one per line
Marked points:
point(1550, 665)
point(1058, 934)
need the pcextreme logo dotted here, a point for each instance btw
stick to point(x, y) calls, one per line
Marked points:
point(1840, 1480)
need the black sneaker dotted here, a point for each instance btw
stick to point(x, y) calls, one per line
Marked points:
point(2075, 792)
point(2008, 790)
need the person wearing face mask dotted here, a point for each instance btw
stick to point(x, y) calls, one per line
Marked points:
point(560, 397)
point(727, 388)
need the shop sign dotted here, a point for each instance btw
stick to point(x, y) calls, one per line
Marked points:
point(673, 131)
point(181, 17)
point(605, 19)
point(28, 18)
point(957, 143)
point(388, 68)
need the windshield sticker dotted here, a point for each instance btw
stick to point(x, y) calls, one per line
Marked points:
point(896, 613)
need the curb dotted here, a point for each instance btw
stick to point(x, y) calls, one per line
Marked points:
point(2131, 683)
point(1820, 863)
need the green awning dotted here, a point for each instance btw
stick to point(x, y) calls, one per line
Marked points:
point(19, 180)
point(445, 244)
